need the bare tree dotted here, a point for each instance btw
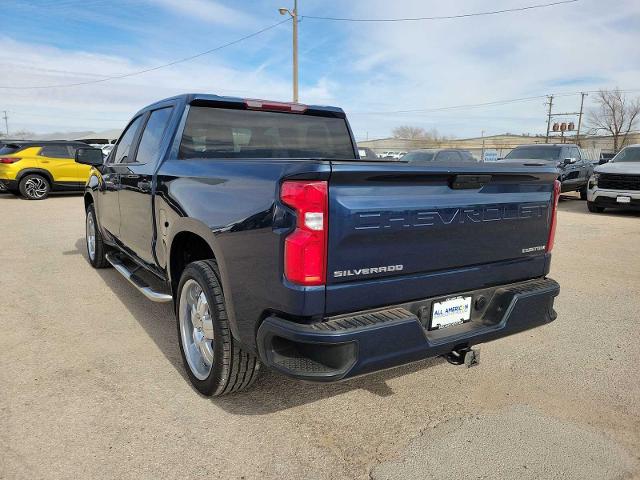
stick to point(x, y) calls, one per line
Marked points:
point(409, 132)
point(418, 133)
point(615, 114)
point(22, 134)
point(435, 136)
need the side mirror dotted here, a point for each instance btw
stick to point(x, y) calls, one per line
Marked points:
point(569, 161)
point(602, 161)
point(89, 156)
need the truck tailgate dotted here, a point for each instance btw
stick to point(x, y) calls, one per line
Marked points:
point(395, 220)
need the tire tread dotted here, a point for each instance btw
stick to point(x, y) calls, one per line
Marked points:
point(99, 261)
point(238, 368)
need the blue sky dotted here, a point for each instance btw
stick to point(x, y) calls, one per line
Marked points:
point(373, 70)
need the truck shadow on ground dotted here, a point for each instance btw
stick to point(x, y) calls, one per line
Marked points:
point(272, 391)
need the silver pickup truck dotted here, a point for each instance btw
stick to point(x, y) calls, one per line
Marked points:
point(616, 184)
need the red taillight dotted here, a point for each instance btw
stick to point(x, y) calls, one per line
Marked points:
point(9, 160)
point(554, 215)
point(275, 106)
point(305, 249)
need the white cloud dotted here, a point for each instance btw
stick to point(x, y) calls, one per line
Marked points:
point(373, 67)
point(452, 62)
point(208, 11)
point(111, 104)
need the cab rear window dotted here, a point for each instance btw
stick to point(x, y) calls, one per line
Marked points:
point(227, 133)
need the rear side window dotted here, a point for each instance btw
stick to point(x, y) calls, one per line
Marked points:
point(126, 141)
point(466, 156)
point(9, 149)
point(73, 148)
point(448, 156)
point(154, 130)
point(225, 133)
point(418, 157)
point(575, 153)
point(55, 151)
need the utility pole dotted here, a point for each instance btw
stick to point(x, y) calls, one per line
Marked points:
point(546, 140)
point(482, 156)
point(294, 16)
point(582, 94)
point(6, 122)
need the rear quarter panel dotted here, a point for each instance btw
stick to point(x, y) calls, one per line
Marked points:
point(233, 205)
point(28, 160)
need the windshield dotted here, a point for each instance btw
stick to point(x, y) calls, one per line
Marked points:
point(629, 154)
point(418, 157)
point(535, 153)
point(228, 133)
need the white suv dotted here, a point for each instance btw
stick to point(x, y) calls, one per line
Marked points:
point(616, 184)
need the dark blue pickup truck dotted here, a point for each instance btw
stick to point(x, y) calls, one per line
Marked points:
point(278, 245)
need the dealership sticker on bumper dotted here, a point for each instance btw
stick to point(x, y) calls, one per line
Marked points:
point(452, 311)
point(623, 199)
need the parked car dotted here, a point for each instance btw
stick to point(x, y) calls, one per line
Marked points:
point(35, 168)
point(573, 167)
point(366, 153)
point(393, 155)
point(106, 149)
point(616, 184)
point(278, 245)
point(453, 155)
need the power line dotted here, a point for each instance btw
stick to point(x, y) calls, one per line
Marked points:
point(476, 105)
point(451, 107)
point(146, 70)
point(443, 17)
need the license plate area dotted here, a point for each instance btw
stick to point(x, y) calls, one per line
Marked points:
point(450, 311)
point(623, 199)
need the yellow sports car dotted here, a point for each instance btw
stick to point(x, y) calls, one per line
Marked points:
point(33, 169)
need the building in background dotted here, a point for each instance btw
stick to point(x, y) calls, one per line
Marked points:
point(502, 144)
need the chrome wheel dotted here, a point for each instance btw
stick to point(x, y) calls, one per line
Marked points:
point(91, 236)
point(196, 329)
point(36, 187)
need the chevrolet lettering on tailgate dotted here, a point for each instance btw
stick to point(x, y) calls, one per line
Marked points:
point(448, 216)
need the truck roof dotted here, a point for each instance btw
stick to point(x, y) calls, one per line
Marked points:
point(190, 98)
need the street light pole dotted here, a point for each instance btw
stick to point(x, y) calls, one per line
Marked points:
point(294, 17)
point(582, 95)
point(546, 140)
point(6, 122)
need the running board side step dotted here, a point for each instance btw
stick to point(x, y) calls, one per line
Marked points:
point(136, 281)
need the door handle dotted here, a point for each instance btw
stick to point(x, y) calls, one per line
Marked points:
point(144, 186)
point(111, 180)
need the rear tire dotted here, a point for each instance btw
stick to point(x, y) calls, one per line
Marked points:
point(96, 249)
point(34, 187)
point(593, 208)
point(215, 362)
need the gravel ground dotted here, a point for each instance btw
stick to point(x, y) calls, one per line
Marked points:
point(92, 386)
